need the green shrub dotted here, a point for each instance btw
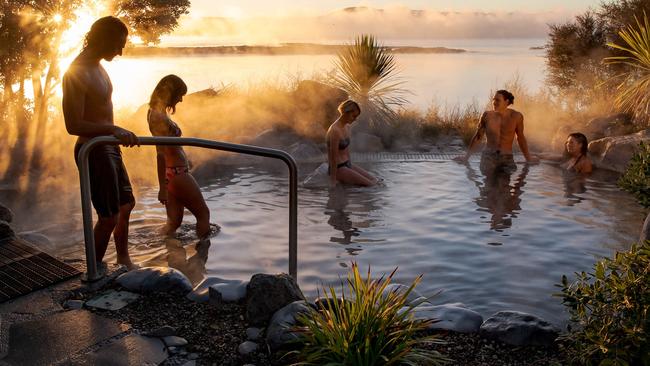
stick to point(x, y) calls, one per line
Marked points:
point(366, 327)
point(610, 311)
point(636, 179)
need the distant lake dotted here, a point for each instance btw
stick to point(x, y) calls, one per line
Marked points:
point(447, 78)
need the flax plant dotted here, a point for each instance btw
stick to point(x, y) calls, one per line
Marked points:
point(634, 90)
point(368, 72)
point(366, 327)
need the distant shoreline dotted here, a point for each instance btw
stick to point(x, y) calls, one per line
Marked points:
point(283, 49)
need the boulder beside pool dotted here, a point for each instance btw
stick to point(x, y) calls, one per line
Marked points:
point(266, 294)
point(6, 232)
point(278, 333)
point(519, 329)
point(455, 317)
point(155, 279)
point(228, 288)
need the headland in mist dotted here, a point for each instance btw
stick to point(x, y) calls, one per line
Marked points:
point(282, 49)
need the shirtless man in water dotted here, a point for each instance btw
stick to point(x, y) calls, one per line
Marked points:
point(500, 126)
point(88, 112)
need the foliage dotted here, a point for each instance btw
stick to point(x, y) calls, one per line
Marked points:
point(576, 50)
point(634, 90)
point(636, 179)
point(367, 71)
point(150, 19)
point(611, 308)
point(368, 327)
point(574, 53)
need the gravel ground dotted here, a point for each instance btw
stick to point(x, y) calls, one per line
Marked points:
point(214, 333)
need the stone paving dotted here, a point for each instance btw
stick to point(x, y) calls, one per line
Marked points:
point(36, 330)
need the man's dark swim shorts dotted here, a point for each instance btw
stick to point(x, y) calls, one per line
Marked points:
point(109, 183)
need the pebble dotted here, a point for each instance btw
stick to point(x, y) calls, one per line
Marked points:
point(246, 348)
point(73, 304)
point(174, 341)
point(253, 334)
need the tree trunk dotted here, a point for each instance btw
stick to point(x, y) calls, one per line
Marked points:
point(19, 154)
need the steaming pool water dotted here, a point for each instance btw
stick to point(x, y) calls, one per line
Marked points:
point(493, 244)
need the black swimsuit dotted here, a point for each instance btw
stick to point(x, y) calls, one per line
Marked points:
point(343, 144)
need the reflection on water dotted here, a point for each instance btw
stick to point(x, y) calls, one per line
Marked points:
point(193, 266)
point(423, 219)
point(497, 196)
point(339, 218)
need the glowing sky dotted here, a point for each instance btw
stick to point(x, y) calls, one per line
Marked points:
point(247, 8)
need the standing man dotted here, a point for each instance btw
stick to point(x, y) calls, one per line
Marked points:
point(88, 112)
point(500, 127)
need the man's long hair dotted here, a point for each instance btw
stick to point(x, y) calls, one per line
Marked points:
point(104, 31)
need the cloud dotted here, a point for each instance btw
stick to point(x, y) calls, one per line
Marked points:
point(388, 24)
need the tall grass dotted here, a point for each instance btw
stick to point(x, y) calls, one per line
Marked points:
point(365, 327)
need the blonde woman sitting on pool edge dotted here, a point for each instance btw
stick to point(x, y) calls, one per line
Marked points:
point(340, 169)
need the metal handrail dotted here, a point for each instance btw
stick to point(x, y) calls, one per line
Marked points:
point(84, 177)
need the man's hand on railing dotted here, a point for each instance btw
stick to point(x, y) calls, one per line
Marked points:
point(126, 137)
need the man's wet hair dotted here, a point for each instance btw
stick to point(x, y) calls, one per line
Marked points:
point(104, 31)
point(507, 96)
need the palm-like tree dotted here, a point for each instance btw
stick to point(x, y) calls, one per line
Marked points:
point(367, 71)
point(634, 90)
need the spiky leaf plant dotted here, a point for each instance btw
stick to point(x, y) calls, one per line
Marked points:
point(633, 92)
point(367, 71)
point(365, 327)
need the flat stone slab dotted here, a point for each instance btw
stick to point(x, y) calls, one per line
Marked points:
point(132, 350)
point(113, 300)
point(56, 337)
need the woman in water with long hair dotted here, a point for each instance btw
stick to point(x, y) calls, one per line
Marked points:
point(574, 158)
point(340, 169)
point(178, 189)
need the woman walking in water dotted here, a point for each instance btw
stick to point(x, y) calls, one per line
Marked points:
point(178, 189)
point(338, 149)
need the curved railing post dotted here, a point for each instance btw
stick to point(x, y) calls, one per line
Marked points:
point(84, 178)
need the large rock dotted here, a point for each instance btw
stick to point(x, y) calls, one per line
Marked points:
point(455, 317)
point(6, 214)
point(266, 294)
point(609, 126)
point(6, 232)
point(155, 279)
point(227, 292)
point(519, 329)
point(614, 153)
point(279, 333)
point(645, 231)
point(201, 293)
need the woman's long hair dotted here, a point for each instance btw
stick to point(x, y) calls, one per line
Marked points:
point(168, 92)
point(584, 145)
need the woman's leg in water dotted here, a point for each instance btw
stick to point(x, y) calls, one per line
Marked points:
point(351, 176)
point(361, 171)
point(185, 188)
point(174, 212)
